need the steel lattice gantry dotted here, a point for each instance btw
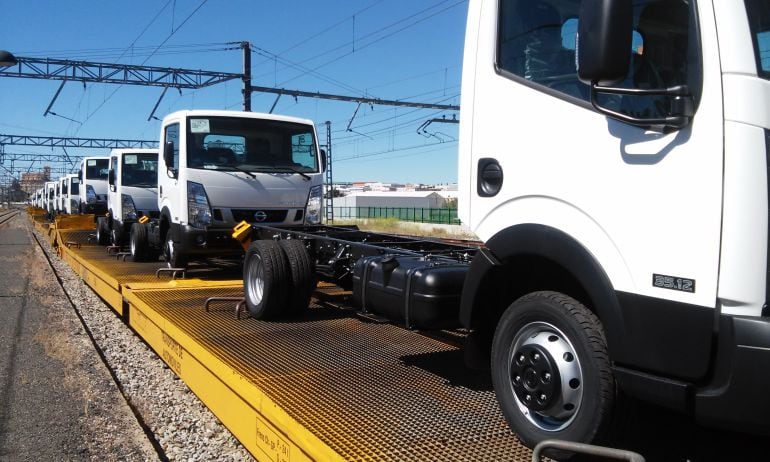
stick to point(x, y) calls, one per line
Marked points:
point(127, 74)
point(67, 142)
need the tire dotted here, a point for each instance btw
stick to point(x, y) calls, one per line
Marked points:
point(138, 243)
point(302, 280)
point(266, 278)
point(174, 258)
point(552, 349)
point(102, 231)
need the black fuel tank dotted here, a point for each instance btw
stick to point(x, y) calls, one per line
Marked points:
point(422, 292)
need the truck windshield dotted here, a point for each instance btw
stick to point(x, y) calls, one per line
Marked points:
point(140, 170)
point(759, 20)
point(96, 169)
point(233, 143)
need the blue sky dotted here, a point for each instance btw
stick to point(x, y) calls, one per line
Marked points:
point(394, 49)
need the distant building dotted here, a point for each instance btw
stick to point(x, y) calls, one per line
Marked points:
point(31, 182)
point(374, 204)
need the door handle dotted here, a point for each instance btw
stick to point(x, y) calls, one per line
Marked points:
point(490, 177)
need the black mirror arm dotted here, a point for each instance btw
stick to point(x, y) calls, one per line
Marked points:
point(682, 106)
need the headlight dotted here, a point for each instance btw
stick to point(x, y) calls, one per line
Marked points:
point(313, 209)
point(90, 194)
point(129, 210)
point(198, 209)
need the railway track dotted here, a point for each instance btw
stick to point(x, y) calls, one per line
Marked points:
point(6, 215)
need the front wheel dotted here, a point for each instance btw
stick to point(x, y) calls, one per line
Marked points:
point(551, 370)
point(171, 252)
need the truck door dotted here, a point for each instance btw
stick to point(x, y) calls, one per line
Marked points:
point(113, 195)
point(169, 196)
point(645, 202)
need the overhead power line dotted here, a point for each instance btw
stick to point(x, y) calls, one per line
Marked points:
point(173, 31)
point(388, 151)
point(378, 39)
point(354, 99)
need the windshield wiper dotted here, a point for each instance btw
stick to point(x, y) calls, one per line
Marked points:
point(239, 169)
point(299, 172)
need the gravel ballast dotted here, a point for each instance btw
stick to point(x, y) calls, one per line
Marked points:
point(183, 428)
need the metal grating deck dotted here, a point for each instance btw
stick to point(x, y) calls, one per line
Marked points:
point(327, 386)
point(127, 272)
point(368, 391)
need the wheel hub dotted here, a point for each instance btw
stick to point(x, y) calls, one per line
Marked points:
point(170, 253)
point(545, 376)
point(255, 281)
point(534, 376)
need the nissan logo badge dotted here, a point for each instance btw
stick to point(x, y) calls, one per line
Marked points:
point(260, 216)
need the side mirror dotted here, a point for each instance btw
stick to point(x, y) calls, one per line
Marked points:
point(323, 160)
point(111, 177)
point(168, 155)
point(603, 48)
point(80, 175)
point(603, 43)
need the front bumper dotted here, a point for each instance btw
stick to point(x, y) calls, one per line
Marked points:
point(739, 396)
point(205, 243)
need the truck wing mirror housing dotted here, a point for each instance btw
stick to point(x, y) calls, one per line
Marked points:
point(168, 155)
point(603, 49)
point(111, 177)
point(323, 160)
point(603, 44)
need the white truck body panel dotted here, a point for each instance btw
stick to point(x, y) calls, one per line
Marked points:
point(597, 169)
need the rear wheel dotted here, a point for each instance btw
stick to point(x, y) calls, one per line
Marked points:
point(265, 279)
point(171, 252)
point(551, 370)
point(102, 231)
point(302, 280)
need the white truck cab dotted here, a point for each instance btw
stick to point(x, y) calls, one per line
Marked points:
point(93, 181)
point(58, 195)
point(219, 168)
point(70, 196)
point(624, 208)
point(49, 197)
point(132, 193)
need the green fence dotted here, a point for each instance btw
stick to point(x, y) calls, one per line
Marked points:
point(419, 215)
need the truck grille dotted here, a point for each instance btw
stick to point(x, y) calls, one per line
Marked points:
point(248, 215)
